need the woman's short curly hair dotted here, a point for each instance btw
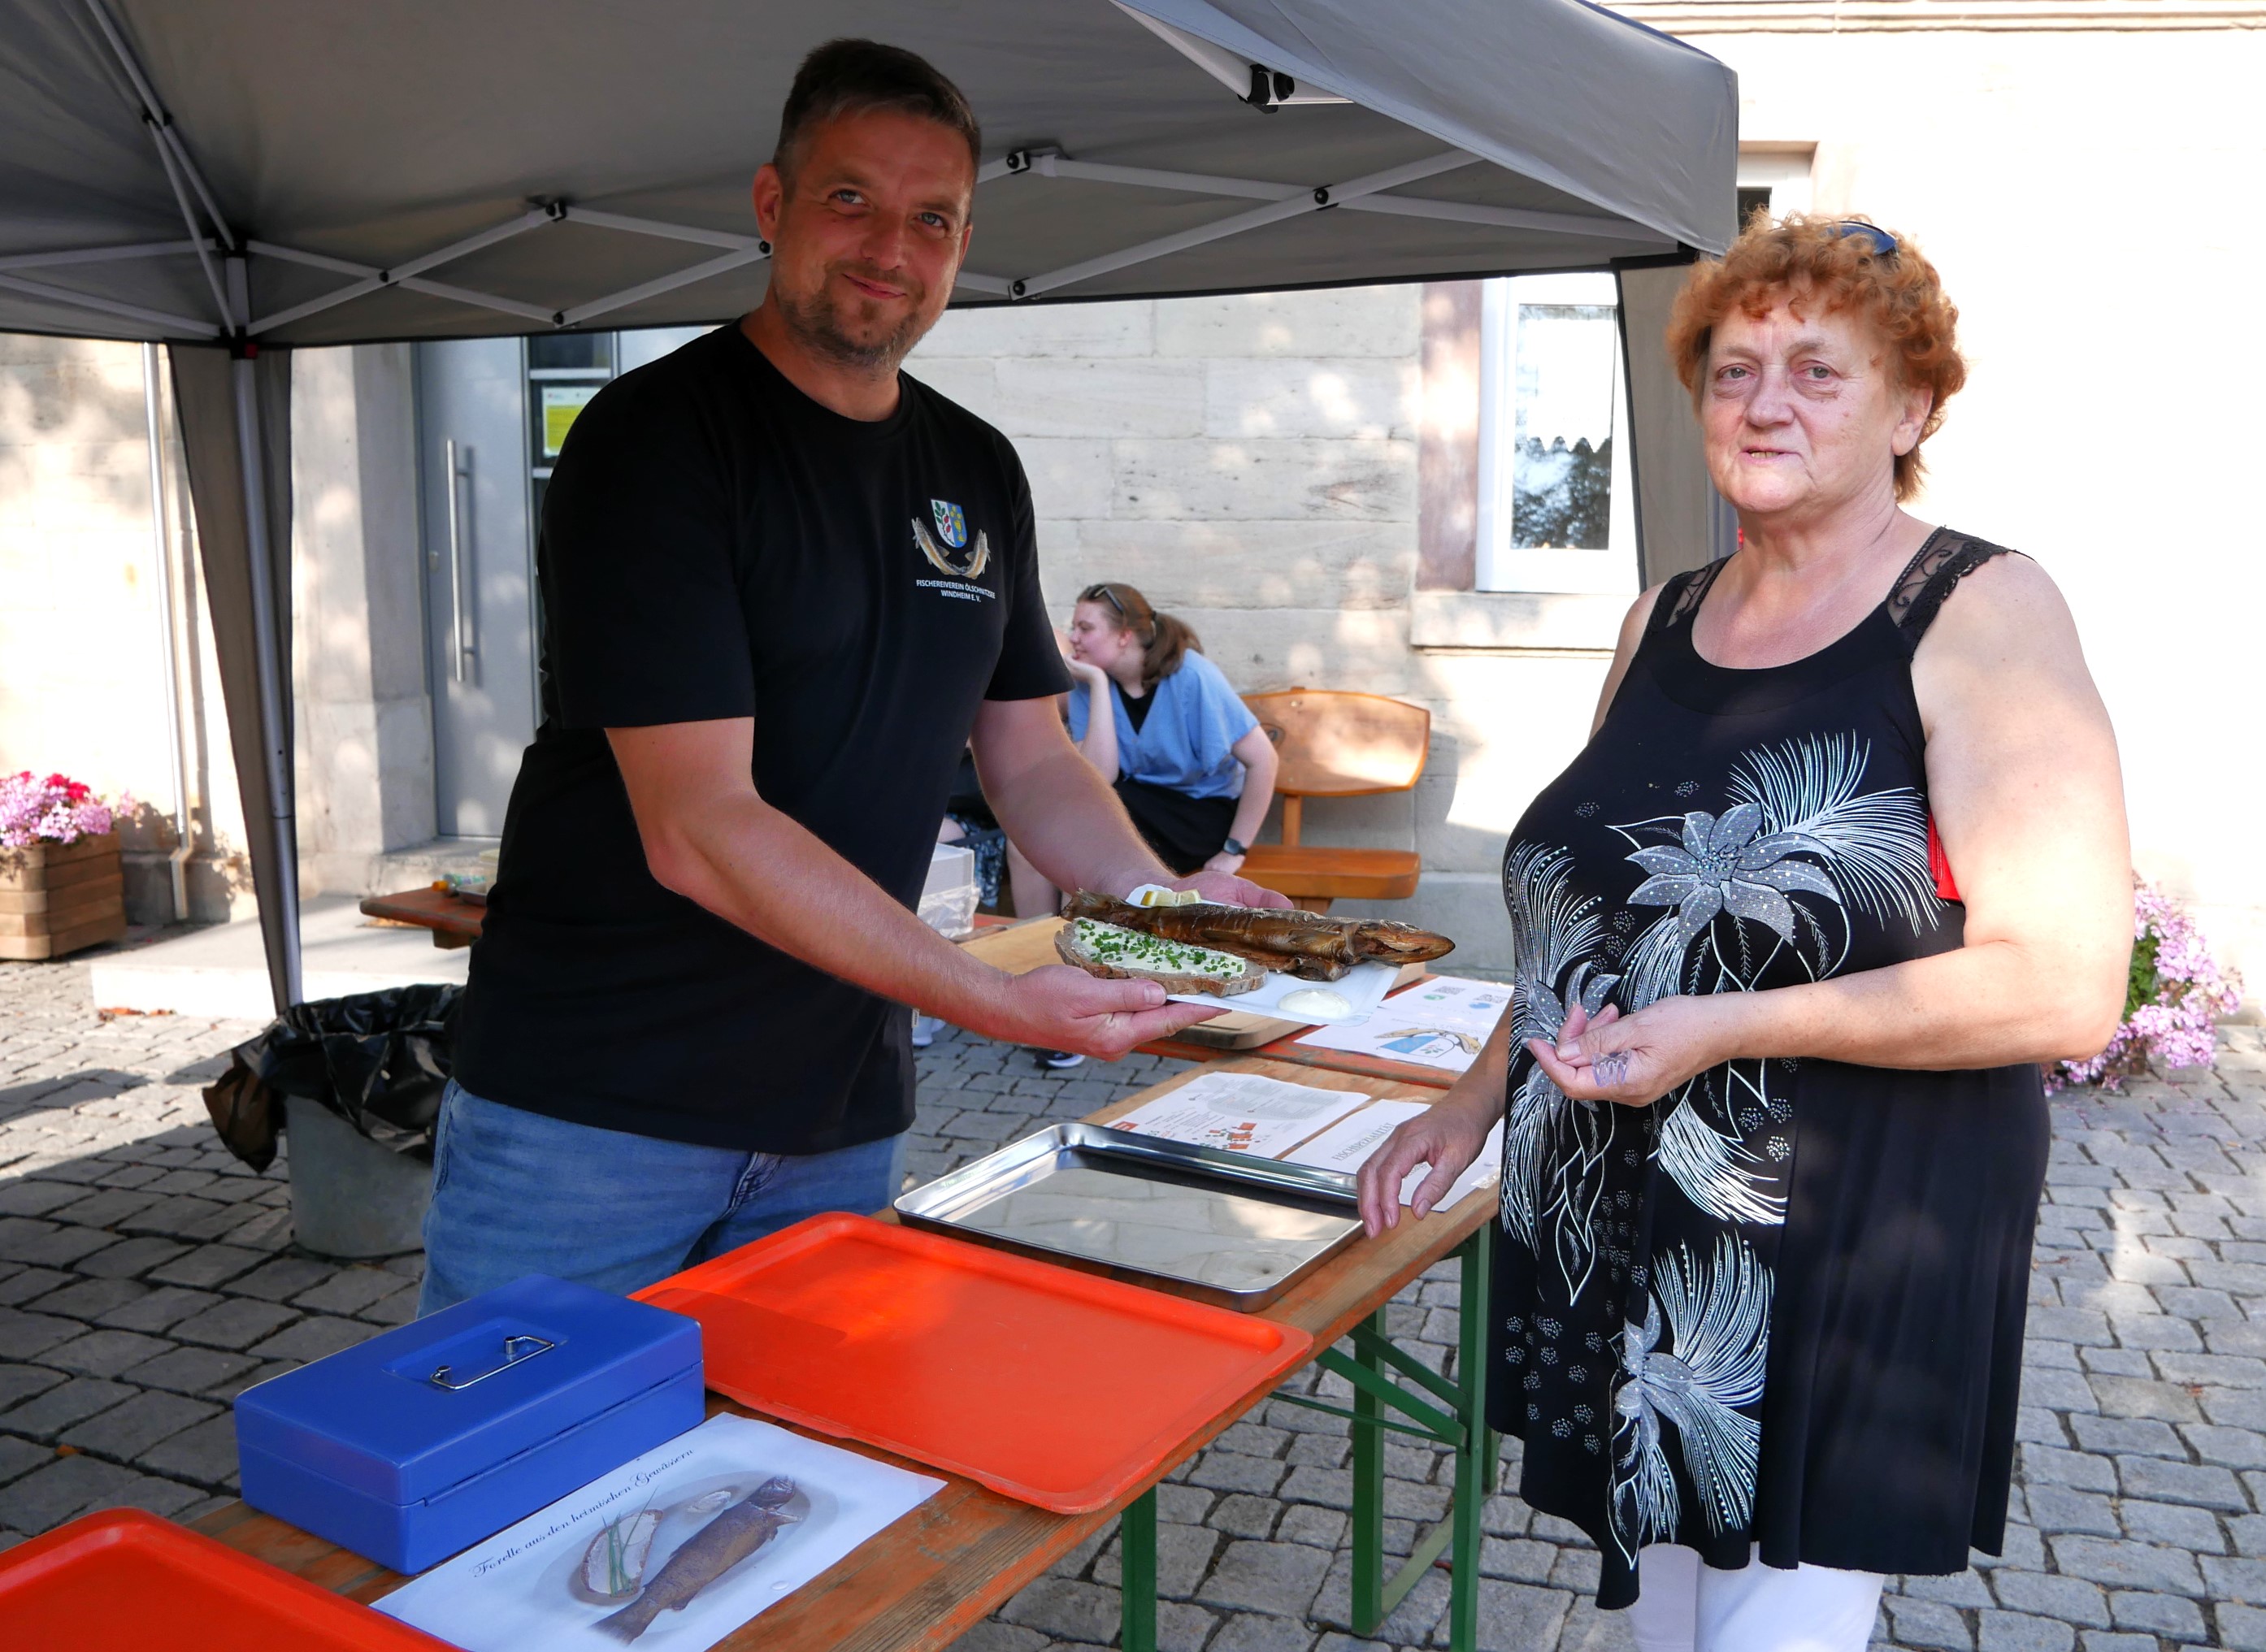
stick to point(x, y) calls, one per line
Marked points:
point(1808, 258)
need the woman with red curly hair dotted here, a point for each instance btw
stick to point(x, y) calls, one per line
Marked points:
point(1844, 860)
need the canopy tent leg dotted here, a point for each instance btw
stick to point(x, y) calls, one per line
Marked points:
point(1681, 521)
point(236, 431)
point(270, 576)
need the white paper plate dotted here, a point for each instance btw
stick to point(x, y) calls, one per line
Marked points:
point(1363, 987)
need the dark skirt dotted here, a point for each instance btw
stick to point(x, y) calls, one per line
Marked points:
point(1896, 1355)
point(1888, 1412)
point(1185, 831)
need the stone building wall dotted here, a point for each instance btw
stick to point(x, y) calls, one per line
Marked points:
point(1251, 464)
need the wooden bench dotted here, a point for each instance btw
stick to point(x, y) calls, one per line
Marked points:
point(1335, 744)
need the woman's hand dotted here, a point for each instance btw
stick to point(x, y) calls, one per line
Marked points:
point(1225, 862)
point(1636, 1059)
point(1447, 1136)
point(1084, 670)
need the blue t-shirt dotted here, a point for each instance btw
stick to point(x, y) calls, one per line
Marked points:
point(1187, 740)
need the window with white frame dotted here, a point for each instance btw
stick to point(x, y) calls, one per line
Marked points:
point(1776, 180)
point(1557, 506)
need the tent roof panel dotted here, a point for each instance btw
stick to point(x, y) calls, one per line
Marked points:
point(379, 133)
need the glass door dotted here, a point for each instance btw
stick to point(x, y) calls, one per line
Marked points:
point(479, 575)
point(493, 417)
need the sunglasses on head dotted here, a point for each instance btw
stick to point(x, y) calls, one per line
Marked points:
point(1883, 243)
point(1102, 594)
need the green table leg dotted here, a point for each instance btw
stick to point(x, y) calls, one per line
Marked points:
point(1429, 1406)
point(1368, 1493)
point(1136, 1545)
point(1475, 1455)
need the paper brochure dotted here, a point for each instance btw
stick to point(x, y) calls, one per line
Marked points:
point(1242, 1113)
point(1440, 1023)
point(673, 1550)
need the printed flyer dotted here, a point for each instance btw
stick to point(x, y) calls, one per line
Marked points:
point(1440, 1023)
point(674, 1551)
point(1345, 1146)
point(1242, 1113)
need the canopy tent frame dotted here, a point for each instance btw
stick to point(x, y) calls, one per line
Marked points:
point(246, 534)
point(1285, 200)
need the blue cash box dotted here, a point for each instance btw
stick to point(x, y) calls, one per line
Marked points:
point(431, 1437)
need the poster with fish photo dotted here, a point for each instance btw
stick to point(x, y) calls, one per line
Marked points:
point(673, 1550)
point(1440, 1023)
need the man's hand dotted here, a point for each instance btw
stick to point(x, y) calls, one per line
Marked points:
point(1447, 1136)
point(1057, 1007)
point(1224, 863)
point(1228, 890)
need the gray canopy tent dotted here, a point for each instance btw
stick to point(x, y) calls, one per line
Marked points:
point(237, 177)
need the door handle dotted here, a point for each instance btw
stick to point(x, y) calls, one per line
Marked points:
point(463, 643)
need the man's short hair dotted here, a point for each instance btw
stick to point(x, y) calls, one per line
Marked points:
point(852, 76)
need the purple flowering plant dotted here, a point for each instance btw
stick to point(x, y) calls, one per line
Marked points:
point(55, 810)
point(2175, 992)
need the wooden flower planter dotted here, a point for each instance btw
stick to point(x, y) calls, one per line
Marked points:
point(57, 898)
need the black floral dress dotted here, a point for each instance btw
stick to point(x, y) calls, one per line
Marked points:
point(1783, 1304)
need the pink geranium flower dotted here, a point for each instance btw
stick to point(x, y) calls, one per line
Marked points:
point(55, 810)
point(2177, 992)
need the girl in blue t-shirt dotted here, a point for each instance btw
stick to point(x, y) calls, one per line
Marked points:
point(1193, 767)
point(1190, 763)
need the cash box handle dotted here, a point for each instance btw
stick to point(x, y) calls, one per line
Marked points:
point(517, 1350)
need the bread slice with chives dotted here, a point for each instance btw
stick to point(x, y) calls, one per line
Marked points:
point(1116, 954)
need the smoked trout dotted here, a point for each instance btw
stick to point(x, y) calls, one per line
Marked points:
point(1302, 944)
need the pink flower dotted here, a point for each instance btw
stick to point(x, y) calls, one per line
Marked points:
point(2178, 991)
point(57, 809)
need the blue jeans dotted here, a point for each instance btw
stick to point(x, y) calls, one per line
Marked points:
point(517, 1193)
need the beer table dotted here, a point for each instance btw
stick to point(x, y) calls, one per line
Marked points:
point(952, 1562)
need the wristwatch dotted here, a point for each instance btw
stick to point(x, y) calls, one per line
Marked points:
point(1234, 848)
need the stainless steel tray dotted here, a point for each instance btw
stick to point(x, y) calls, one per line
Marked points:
point(1227, 1228)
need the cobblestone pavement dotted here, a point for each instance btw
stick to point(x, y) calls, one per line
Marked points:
point(146, 1277)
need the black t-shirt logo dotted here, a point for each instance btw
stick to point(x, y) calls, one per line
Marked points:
point(952, 529)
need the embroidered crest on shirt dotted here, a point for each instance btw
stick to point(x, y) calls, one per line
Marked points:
point(951, 522)
point(953, 526)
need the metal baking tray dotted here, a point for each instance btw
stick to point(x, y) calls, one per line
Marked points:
point(1226, 1228)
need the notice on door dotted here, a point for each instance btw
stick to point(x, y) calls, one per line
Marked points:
point(560, 404)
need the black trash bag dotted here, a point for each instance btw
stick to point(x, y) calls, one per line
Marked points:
point(378, 1060)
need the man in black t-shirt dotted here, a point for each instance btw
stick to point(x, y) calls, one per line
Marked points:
point(783, 586)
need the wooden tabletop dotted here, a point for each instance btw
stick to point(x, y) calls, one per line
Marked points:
point(454, 920)
point(952, 1562)
point(1352, 1062)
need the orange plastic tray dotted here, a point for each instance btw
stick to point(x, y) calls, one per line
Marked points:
point(1056, 1388)
point(124, 1581)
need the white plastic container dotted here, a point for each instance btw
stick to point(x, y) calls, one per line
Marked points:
point(950, 897)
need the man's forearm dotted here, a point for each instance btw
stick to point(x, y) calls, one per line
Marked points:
point(757, 867)
point(1067, 820)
